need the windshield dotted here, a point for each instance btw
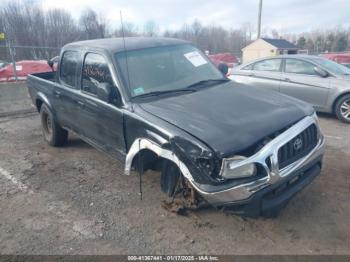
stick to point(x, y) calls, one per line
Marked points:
point(166, 68)
point(333, 67)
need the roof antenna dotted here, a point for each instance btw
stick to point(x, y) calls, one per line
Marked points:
point(125, 52)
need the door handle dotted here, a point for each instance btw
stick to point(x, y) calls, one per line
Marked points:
point(80, 103)
point(287, 79)
point(57, 93)
point(91, 103)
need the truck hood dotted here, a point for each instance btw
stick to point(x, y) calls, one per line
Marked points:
point(229, 117)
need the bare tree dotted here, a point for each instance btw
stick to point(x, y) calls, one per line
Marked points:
point(93, 25)
point(130, 29)
point(27, 24)
point(150, 28)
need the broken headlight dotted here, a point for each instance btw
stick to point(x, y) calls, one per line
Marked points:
point(237, 167)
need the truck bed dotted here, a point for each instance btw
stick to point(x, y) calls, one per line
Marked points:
point(41, 83)
point(50, 76)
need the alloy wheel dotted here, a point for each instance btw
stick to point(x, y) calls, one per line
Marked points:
point(345, 109)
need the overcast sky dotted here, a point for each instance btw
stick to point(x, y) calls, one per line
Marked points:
point(289, 16)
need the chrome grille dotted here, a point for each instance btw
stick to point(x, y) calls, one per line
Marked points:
point(298, 147)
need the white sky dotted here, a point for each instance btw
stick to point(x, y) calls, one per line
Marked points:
point(288, 16)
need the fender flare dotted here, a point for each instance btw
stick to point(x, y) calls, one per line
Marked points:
point(41, 96)
point(144, 143)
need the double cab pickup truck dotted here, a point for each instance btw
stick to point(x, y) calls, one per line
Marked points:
point(159, 103)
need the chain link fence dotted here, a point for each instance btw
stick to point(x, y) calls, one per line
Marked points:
point(17, 61)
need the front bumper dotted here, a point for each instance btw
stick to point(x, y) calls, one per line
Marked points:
point(251, 198)
point(270, 200)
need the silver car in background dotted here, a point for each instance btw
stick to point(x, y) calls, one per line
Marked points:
point(318, 81)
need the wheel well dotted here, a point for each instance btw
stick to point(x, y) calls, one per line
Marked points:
point(150, 160)
point(38, 104)
point(338, 98)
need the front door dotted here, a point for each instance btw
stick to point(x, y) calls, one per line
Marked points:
point(102, 122)
point(301, 81)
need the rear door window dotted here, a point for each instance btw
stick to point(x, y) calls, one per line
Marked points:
point(271, 65)
point(95, 71)
point(68, 69)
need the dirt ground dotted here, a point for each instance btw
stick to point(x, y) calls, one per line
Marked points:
point(76, 200)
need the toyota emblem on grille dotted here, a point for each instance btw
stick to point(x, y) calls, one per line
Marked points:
point(298, 143)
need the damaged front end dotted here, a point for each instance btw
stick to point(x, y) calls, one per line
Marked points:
point(250, 185)
point(262, 183)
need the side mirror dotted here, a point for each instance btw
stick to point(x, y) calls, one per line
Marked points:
point(50, 63)
point(223, 68)
point(321, 72)
point(104, 92)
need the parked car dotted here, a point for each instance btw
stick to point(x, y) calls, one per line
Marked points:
point(2, 64)
point(23, 68)
point(318, 81)
point(227, 58)
point(159, 103)
point(340, 58)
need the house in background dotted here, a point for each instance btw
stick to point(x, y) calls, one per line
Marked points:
point(267, 47)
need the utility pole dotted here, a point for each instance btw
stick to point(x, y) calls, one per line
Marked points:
point(3, 36)
point(259, 19)
point(12, 60)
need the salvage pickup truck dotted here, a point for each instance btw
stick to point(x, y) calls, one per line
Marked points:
point(159, 103)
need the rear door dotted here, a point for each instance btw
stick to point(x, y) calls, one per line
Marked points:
point(242, 75)
point(267, 74)
point(301, 81)
point(66, 93)
point(102, 122)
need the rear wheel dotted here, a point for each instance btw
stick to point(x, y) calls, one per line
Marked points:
point(53, 133)
point(342, 109)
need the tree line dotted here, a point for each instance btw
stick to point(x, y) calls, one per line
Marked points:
point(48, 30)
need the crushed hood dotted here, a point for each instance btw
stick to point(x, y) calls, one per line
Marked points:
point(229, 117)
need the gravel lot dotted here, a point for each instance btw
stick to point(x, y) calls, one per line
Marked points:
point(75, 200)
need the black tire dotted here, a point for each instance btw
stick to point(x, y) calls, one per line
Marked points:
point(53, 133)
point(169, 178)
point(342, 113)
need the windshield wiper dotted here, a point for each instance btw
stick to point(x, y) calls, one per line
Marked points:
point(157, 93)
point(187, 89)
point(209, 81)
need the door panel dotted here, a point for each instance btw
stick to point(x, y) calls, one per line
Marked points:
point(102, 122)
point(69, 111)
point(305, 85)
point(266, 80)
point(267, 74)
point(66, 93)
point(264, 74)
point(103, 125)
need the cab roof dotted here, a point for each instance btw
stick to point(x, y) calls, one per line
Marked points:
point(131, 43)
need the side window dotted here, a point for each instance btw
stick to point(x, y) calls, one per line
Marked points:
point(95, 71)
point(68, 68)
point(296, 66)
point(273, 65)
point(248, 67)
